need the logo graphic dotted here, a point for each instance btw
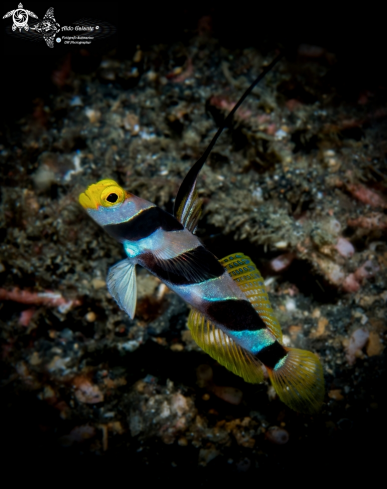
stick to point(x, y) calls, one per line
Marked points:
point(20, 18)
point(82, 31)
point(48, 27)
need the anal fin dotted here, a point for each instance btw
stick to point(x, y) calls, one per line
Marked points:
point(223, 349)
point(243, 271)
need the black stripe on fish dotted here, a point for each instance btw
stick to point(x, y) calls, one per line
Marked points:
point(143, 224)
point(192, 267)
point(234, 314)
point(272, 354)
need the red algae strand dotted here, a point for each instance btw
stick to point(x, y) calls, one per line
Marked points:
point(48, 298)
point(374, 220)
point(367, 196)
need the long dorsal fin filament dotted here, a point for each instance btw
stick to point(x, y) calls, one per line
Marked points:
point(186, 196)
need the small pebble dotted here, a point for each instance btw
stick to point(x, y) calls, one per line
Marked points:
point(137, 56)
point(131, 123)
point(243, 465)
point(129, 346)
point(290, 305)
point(281, 245)
point(276, 435)
point(76, 101)
point(374, 345)
point(86, 392)
point(91, 317)
point(207, 454)
point(357, 342)
point(316, 313)
point(321, 328)
point(228, 394)
point(93, 115)
point(282, 261)
point(345, 248)
point(271, 393)
point(35, 359)
point(204, 374)
point(336, 395)
point(295, 330)
point(98, 283)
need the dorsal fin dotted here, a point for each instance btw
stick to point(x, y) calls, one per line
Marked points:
point(243, 271)
point(190, 211)
point(186, 196)
point(223, 349)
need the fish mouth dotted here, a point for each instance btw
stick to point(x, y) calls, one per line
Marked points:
point(86, 201)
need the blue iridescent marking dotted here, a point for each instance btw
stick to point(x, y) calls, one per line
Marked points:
point(132, 249)
point(135, 248)
point(253, 341)
point(219, 299)
point(280, 363)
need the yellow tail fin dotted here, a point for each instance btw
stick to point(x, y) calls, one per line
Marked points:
point(299, 381)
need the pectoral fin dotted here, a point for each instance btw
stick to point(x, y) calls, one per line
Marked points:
point(121, 283)
point(224, 349)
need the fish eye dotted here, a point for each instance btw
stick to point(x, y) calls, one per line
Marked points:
point(112, 195)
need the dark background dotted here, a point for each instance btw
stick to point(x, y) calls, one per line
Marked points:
point(355, 36)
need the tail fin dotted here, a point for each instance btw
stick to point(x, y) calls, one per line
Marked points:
point(299, 381)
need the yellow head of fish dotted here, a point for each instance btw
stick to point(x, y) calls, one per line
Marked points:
point(105, 193)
